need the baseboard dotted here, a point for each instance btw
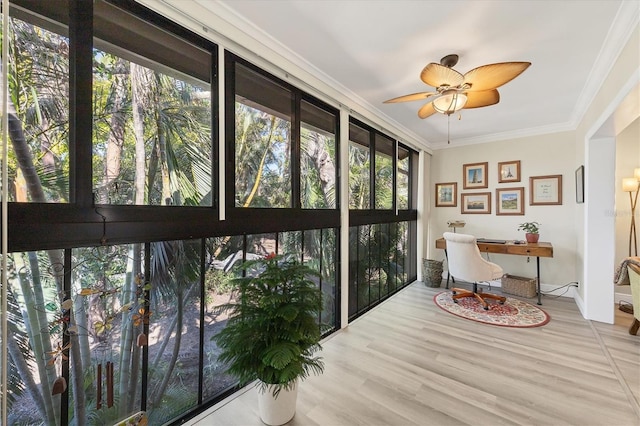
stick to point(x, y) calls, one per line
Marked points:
point(622, 297)
point(580, 303)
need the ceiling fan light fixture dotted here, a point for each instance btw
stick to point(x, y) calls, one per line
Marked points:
point(450, 102)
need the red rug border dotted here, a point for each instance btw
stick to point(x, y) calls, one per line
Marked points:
point(545, 322)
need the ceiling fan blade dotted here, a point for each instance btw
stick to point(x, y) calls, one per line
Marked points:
point(426, 110)
point(482, 99)
point(411, 97)
point(493, 76)
point(437, 75)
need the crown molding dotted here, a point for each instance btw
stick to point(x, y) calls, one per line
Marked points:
point(626, 21)
point(514, 134)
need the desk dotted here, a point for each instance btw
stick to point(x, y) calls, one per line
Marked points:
point(527, 249)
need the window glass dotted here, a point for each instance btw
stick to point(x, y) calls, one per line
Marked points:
point(108, 288)
point(38, 85)
point(223, 255)
point(317, 158)
point(152, 114)
point(174, 329)
point(384, 190)
point(403, 178)
point(378, 263)
point(263, 141)
point(359, 168)
point(37, 335)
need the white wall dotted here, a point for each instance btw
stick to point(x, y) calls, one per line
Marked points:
point(550, 154)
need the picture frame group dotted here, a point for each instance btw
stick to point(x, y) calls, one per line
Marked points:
point(543, 190)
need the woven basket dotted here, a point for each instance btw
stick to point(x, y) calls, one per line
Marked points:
point(518, 286)
point(432, 272)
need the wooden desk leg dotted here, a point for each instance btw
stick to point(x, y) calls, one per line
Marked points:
point(538, 279)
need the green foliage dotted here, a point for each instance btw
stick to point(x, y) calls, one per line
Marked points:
point(217, 282)
point(273, 329)
point(529, 227)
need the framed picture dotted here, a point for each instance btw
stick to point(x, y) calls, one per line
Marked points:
point(509, 171)
point(580, 185)
point(510, 201)
point(475, 175)
point(476, 203)
point(447, 194)
point(545, 190)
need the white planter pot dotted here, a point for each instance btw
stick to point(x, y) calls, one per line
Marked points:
point(277, 411)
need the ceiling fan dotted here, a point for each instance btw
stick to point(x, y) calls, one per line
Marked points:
point(454, 91)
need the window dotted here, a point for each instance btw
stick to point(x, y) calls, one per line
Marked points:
point(384, 188)
point(284, 149)
point(379, 263)
point(404, 176)
point(38, 157)
point(382, 238)
point(262, 142)
point(359, 168)
point(152, 114)
point(317, 158)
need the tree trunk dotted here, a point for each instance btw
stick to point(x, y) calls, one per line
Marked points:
point(167, 199)
point(24, 157)
point(160, 390)
point(138, 78)
point(25, 372)
point(324, 165)
point(38, 334)
point(126, 335)
point(115, 142)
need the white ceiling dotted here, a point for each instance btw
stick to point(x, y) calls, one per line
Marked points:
point(375, 50)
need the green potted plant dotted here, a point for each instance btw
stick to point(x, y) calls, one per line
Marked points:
point(273, 332)
point(532, 231)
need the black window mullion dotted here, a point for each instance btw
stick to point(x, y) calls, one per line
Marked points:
point(215, 140)
point(203, 251)
point(394, 165)
point(230, 130)
point(296, 111)
point(80, 102)
point(369, 259)
point(144, 380)
point(320, 279)
point(66, 294)
point(337, 321)
point(379, 242)
point(372, 170)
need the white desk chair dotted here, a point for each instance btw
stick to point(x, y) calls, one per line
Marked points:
point(466, 263)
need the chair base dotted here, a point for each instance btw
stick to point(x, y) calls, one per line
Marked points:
point(635, 325)
point(459, 293)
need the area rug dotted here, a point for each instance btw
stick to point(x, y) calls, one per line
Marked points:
point(514, 312)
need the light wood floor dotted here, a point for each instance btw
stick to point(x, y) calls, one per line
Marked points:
point(407, 362)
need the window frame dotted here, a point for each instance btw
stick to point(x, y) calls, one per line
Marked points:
point(276, 219)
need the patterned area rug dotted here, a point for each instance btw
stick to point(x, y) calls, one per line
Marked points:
point(514, 312)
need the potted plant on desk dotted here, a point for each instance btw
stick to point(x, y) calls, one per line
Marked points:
point(273, 332)
point(532, 231)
